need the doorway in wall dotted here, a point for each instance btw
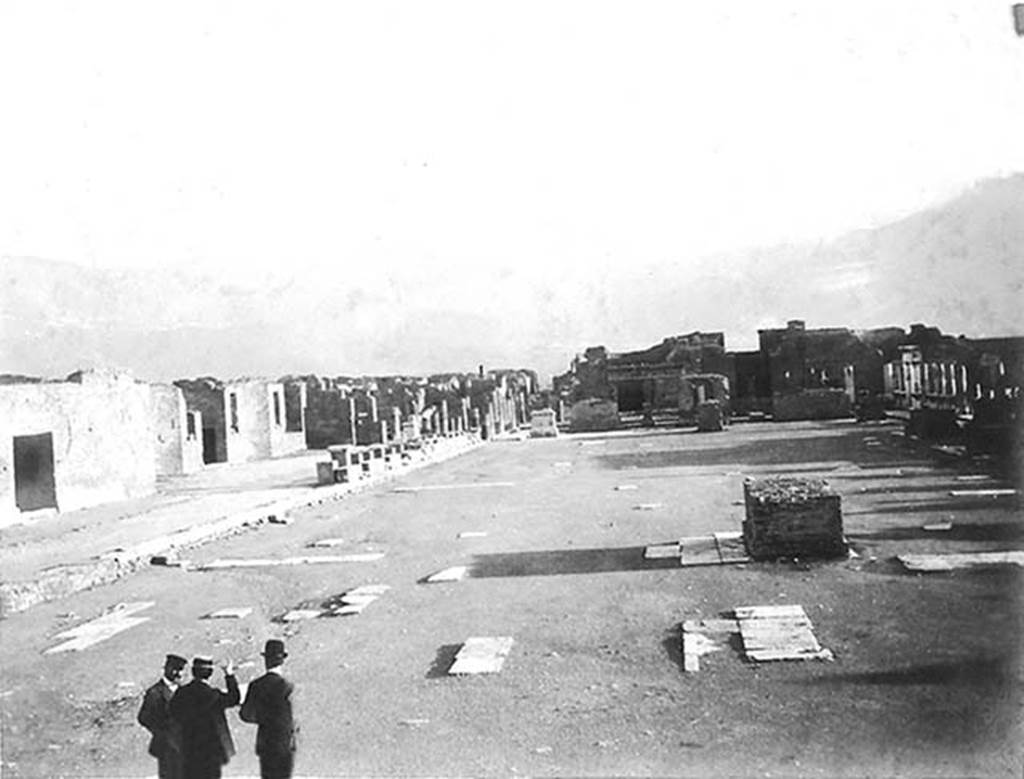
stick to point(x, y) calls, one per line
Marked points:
point(210, 445)
point(630, 395)
point(34, 484)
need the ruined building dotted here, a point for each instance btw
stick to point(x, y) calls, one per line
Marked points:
point(368, 410)
point(801, 373)
point(247, 419)
point(672, 378)
point(94, 438)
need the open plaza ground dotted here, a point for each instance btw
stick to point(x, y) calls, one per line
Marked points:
point(926, 678)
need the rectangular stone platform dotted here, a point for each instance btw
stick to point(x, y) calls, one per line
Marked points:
point(792, 517)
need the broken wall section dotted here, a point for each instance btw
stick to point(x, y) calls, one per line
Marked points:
point(178, 448)
point(72, 444)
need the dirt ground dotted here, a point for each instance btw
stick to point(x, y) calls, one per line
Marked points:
point(926, 681)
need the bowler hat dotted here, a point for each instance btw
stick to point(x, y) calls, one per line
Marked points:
point(274, 648)
point(176, 661)
point(202, 661)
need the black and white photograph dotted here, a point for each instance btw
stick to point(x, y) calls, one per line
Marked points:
point(456, 388)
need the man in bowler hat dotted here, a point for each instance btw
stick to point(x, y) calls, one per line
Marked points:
point(155, 716)
point(268, 704)
point(198, 708)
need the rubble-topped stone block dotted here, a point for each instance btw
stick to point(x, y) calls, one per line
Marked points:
point(792, 517)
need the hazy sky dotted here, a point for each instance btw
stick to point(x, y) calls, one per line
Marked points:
point(369, 137)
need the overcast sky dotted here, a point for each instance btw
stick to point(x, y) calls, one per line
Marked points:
point(253, 137)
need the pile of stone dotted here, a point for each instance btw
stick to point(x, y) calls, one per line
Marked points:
point(792, 517)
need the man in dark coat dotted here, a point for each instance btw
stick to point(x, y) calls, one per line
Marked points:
point(198, 708)
point(154, 716)
point(268, 704)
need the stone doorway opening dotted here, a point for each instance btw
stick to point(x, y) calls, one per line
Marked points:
point(630, 396)
point(34, 484)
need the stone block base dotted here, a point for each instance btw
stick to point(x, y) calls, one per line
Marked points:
point(792, 517)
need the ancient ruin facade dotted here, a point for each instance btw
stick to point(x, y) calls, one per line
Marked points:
point(801, 373)
point(247, 419)
point(75, 443)
point(669, 378)
point(177, 444)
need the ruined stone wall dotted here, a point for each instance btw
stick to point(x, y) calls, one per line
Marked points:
point(290, 404)
point(811, 404)
point(206, 397)
point(248, 434)
point(329, 417)
point(175, 450)
point(101, 432)
point(592, 415)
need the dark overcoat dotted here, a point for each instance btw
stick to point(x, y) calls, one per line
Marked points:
point(268, 704)
point(206, 740)
point(155, 716)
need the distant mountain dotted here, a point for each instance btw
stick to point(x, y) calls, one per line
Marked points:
point(959, 266)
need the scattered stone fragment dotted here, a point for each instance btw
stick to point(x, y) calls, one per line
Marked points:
point(116, 620)
point(695, 645)
point(714, 625)
point(275, 519)
point(266, 563)
point(230, 613)
point(296, 615)
point(347, 609)
point(472, 534)
point(981, 493)
point(351, 599)
point(328, 542)
point(661, 551)
point(482, 655)
point(165, 560)
point(931, 563)
point(453, 574)
point(778, 633)
point(699, 550)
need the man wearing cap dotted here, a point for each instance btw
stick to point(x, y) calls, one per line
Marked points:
point(268, 704)
point(198, 708)
point(154, 716)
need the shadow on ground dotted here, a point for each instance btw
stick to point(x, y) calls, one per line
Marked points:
point(566, 561)
point(764, 452)
point(895, 489)
point(443, 661)
point(994, 531)
point(953, 504)
point(990, 671)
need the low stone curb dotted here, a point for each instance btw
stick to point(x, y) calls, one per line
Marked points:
point(67, 579)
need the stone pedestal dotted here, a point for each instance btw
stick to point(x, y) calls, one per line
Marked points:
point(709, 416)
point(792, 517)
